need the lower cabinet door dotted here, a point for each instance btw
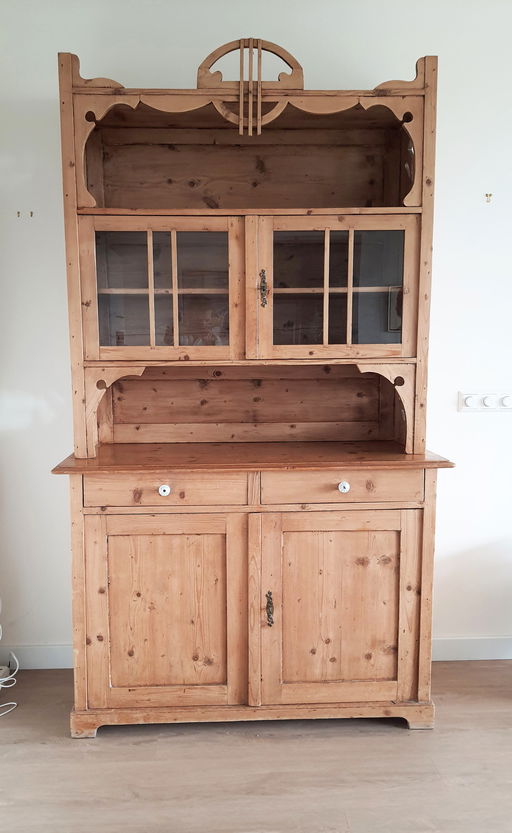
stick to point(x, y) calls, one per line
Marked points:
point(338, 606)
point(166, 610)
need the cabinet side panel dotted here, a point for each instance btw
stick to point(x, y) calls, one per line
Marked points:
point(425, 275)
point(72, 248)
point(410, 590)
point(96, 595)
point(427, 570)
point(78, 592)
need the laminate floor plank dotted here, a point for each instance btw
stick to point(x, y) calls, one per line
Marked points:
point(323, 776)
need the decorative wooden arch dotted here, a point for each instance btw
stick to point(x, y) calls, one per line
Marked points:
point(242, 102)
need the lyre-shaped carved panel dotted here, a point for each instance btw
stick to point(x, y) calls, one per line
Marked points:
point(250, 84)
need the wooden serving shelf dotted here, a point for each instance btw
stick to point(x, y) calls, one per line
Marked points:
point(133, 457)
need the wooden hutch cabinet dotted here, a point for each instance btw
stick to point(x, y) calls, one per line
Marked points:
point(252, 502)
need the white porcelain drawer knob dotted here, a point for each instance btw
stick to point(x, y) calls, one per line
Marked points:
point(164, 490)
point(344, 487)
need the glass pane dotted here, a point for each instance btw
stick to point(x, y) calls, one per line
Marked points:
point(123, 319)
point(162, 268)
point(377, 317)
point(338, 258)
point(337, 319)
point(298, 260)
point(122, 259)
point(202, 260)
point(298, 319)
point(163, 321)
point(204, 319)
point(378, 258)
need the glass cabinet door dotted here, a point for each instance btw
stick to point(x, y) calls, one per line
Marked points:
point(167, 290)
point(335, 286)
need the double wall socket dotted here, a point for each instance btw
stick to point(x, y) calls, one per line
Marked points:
point(485, 402)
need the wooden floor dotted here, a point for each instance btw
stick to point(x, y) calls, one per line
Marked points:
point(356, 776)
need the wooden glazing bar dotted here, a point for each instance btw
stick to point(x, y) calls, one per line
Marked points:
point(313, 290)
point(151, 289)
point(122, 291)
point(250, 88)
point(241, 90)
point(258, 92)
point(174, 276)
point(350, 283)
point(327, 243)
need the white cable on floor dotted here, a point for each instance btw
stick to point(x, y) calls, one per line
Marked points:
point(8, 682)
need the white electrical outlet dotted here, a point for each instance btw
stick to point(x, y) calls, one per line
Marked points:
point(472, 402)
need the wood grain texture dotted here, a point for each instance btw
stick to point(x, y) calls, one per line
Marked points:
point(427, 576)
point(322, 487)
point(84, 724)
point(76, 345)
point(186, 488)
point(119, 458)
point(410, 593)
point(167, 601)
point(425, 254)
point(78, 592)
point(166, 610)
point(334, 582)
point(254, 609)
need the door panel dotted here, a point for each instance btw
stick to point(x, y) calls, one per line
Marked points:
point(162, 288)
point(340, 614)
point(166, 610)
point(163, 585)
point(344, 590)
point(332, 286)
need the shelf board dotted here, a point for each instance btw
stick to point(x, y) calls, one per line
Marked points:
point(126, 457)
point(243, 212)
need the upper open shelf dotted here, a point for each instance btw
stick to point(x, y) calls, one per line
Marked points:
point(250, 142)
point(150, 159)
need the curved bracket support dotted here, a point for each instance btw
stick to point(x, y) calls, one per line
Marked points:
point(402, 377)
point(98, 106)
point(410, 107)
point(402, 107)
point(97, 381)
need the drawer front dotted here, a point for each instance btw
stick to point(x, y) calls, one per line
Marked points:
point(165, 489)
point(331, 486)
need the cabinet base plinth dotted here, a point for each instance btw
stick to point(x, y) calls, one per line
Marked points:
point(84, 724)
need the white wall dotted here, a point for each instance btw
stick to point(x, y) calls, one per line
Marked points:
point(352, 44)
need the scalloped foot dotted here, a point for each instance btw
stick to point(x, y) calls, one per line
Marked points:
point(421, 717)
point(82, 726)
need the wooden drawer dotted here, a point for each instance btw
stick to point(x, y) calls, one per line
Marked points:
point(186, 489)
point(322, 486)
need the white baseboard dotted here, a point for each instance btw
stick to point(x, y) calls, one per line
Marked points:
point(450, 648)
point(39, 656)
point(472, 647)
